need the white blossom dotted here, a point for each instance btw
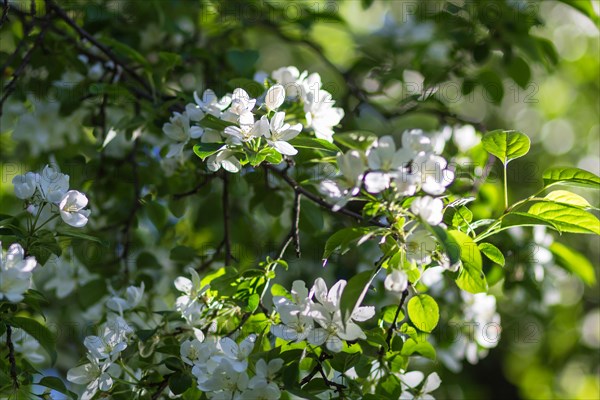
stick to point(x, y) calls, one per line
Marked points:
point(133, 297)
point(411, 380)
point(72, 209)
point(274, 97)
point(211, 104)
point(321, 115)
point(15, 273)
point(328, 315)
point(352, 167)
point(25, 185)
point(97, 376)
point(420, 245)
point(280, 133)
point(465, 137)
point(225, 159)
point(396, 281)
point(429, 209)
point(189, 304)
point(53, 185)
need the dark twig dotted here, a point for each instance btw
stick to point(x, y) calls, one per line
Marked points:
point(207, 179)
point(136, 204)
point(392, 328)
point(225, 203)
point(107, 51)
point(26, 58)
point(161, 387)
point(316, 199)
point(11, 356)
point(295, 230)
point(318, 368)
point(5, 8)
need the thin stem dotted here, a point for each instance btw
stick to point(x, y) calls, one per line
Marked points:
point(225, 203)
point(505, 189)
point(48, 220)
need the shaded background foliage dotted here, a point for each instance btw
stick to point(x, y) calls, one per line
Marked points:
point(531, 66)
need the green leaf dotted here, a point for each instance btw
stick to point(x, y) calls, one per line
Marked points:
point(314, 143)
point(340, 241)
point(451, 247)
point(492, 84)
point(566, 218)
point(57, 384)
point(574, 262)
point(524, 219)
point(90, 293)
point(519, 71)
point(493, 253)
point(569, 198)
point(424, 312)
point(211, 122)
point(204, 150)
point(571, 176)
point(470, 277)
point(423, 348)
point(179, 382)
point(39, 332)
point(242, 61)
point(354, 293)
point(77, 235)
point(506, 145)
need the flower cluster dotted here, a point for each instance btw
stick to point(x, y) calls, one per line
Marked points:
point(251, 130)
point(300, 313)
point(220, 366)
point(51, 188)
point(103, 352)
point(15, 273)
point(415, 166)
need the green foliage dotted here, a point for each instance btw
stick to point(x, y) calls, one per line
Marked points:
point(506, 145)
point(424, 312)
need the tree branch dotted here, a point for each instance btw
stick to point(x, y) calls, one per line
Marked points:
point(108, 52)
point(316, 199)
point(318, 368)
point(26, 58)
point(392, 328)
point(11, 357)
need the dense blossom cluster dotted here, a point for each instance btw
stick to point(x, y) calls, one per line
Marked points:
point(51, 188)
point(293, 101)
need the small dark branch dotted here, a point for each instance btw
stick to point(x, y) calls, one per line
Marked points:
point(225, 203)
point(244, 319)
point(316, 199)
point(11, 357)
point(296, 223)
point(161, 387)
point(5, 8)
point(26, 58)
point(392, 328)
point(212, 258)
point(108, 52)
point(318, 369)
point(136, 204)
point(207, 179)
